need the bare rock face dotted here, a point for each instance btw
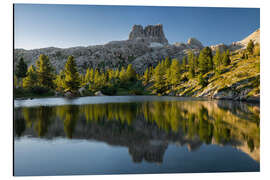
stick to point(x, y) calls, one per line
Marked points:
point(145, 47)
point(221, 47)
point(194, 43)
point(151, 33)
point(255, 37)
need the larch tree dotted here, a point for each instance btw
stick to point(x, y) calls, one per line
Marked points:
point(72, 76)
point(205, 60)
point(226, 58)
point(146, 76)
point(21, 69)
point(31, 78)
point(45, 71)
point(122, 75)
point(175, 72)
point(250, 47)
point(131, 73)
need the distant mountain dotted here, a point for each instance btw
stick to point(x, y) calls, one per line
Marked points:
point(145, 47)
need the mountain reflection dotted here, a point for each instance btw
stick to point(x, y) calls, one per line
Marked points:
point(147, 128)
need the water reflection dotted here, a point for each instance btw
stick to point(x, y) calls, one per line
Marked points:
point(147, 128)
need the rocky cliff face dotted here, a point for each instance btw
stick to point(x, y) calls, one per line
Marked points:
point(151, 33)
point(145, 47)
point(255, 37)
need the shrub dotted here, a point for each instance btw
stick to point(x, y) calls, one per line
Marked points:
point(203, 82)
point(109, 90)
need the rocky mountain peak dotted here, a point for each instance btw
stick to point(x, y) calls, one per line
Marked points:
point(151, 33)
point(193, 42)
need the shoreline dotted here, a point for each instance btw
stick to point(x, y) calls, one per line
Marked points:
point(255, 100)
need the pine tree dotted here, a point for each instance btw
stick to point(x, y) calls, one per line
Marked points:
point(184, 63)
point(122, 75)
point(226, 58)
point(21, 69)
point(59, 81)
point(175, 72)
point(250, 47)
point(72, 77)
point(167, 62)
point(31, 78)
point(191, 72)
point(203, 82)
point(131, 73)
point(205, 60)
point(87, 76)
point(146, 76)
point(45, 71)
point(158, 77)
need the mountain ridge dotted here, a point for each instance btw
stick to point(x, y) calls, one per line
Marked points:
point(145, 47)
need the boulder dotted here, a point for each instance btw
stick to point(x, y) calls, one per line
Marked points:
point(70, 94)
point(82, 91)
point(99, 93)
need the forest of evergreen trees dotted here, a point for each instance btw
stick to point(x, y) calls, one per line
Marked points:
point(42, 79)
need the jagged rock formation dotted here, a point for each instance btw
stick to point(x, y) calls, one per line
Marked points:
point(145, 47)
point(151, 33)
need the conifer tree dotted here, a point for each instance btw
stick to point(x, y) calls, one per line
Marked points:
point(203, 82)
point(31, 78)
point(72, 77)
point(122, 75)
point(146, 76)
point(87, 76)
point(175, 72)
point(250, 47)
point(158, 77)
point(21, 69)
point(205, 60)
point(184, 63)
point(131, 73)
point(59, 81)
point(167, 62)
point(226, 58)
point(217, 59)
point(45, 71)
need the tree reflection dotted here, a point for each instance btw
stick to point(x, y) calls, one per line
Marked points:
point(188, 123)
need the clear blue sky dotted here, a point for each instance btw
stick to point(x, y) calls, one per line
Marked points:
point(38, 26)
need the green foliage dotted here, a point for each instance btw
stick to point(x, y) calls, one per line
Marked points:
point(184, 63)
point(130, 73)
point(45, 72)
point(122, 75)
point(31, 79)
point(226, 58)
point(158, 76)
point(72, 77)
point(174, 72)
point(250, 47)
point(21, 69)
point(257, 50)
point(202, 81)
point(205, 60)
point(217, 59)
point(146, 76)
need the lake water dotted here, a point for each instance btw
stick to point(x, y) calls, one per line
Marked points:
point(134, 134)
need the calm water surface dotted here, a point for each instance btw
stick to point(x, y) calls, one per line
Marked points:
point(134, 134)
